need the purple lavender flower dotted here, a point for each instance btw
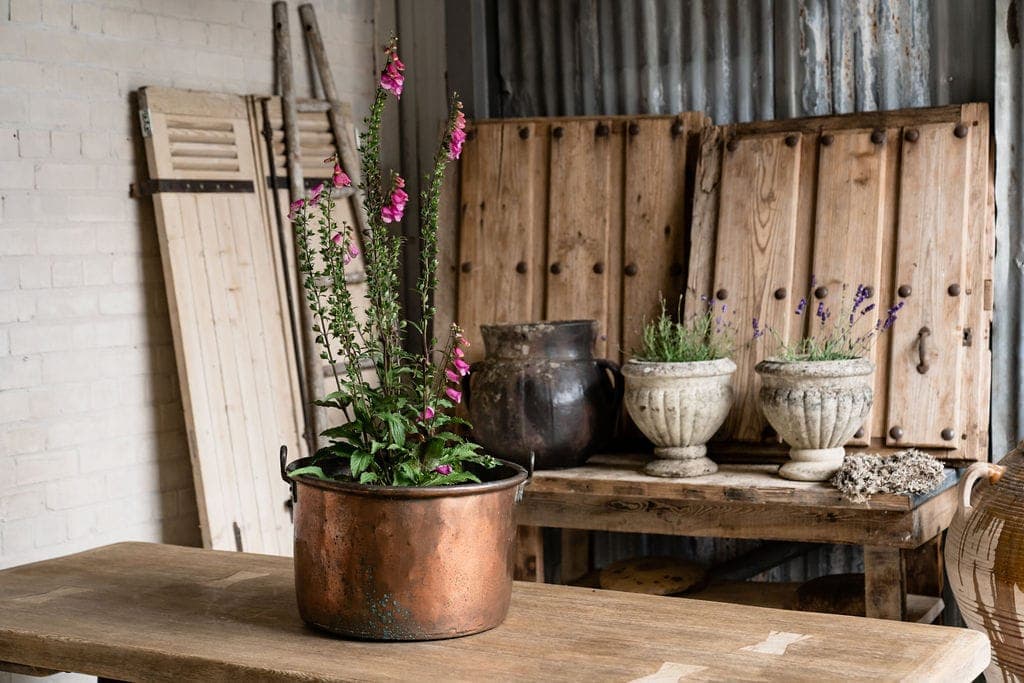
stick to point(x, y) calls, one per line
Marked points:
point(800, 307)
point(822, 312)
point(443, 470)
point(758, 330)
point(890, 316)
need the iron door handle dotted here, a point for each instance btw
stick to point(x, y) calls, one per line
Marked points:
point(922, 351)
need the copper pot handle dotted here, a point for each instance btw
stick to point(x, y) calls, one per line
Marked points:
point(971, 476)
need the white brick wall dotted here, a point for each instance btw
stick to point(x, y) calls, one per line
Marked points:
point(92, 443)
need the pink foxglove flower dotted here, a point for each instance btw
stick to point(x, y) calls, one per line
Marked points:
point(392, 79)
point(443, 469)
point(454, 394)
point(314, 194)
point(336, 238)
point(293, 209)
point(427, 414)
point(341, 178)
point(353, 250)
point(395, 209)
point(458, 134)
point(451, 375)
point(459, 353)
point(461, 366)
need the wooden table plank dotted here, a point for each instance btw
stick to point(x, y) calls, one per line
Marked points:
point(137, 611)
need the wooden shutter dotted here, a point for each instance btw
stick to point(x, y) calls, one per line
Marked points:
point(569, 218)
point(883, 199)
point(225, 286)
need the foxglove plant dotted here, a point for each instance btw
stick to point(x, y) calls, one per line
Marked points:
point(398, 429)
point(844, 338)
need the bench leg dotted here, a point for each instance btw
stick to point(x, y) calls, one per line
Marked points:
point(575, 554)
point(529, 560)
point(885, 586)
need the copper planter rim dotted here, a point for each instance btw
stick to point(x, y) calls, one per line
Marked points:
point(518, 476)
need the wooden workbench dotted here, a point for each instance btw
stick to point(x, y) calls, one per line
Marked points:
point(137, 611)
point(610, 493)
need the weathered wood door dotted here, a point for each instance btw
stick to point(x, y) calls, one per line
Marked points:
point(897, 201)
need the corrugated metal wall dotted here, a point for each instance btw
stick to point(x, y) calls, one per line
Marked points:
point(742, 60)
point(739, 60)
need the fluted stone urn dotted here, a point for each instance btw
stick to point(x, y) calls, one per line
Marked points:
point(679, 407)
point(816, 407)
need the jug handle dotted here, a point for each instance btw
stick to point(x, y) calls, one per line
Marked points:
point(973, 474)
point(613, 368)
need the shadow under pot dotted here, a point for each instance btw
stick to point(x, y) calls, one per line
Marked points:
point(540, 390)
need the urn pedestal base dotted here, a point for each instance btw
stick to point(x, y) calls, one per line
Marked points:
point(812, 464)
point(681, 461)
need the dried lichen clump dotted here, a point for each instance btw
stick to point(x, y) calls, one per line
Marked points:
point(910, 471)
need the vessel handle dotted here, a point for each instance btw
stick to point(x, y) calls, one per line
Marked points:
point(613, 368)
point(973, 474)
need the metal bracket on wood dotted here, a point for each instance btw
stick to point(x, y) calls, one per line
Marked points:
point(145, 188)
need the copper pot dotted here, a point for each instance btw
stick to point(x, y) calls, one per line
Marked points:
point(396, 563)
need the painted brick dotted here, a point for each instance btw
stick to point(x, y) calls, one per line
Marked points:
point(8, 144)
point(96, 145)
point(29, 11)
point(16, 175)
point(33, 144)
point(86, 17)
point(18, 243)
point(20, 371)
point(66, 241)
point(96, 207)
point(24, 438)
point(14, 406)
point(67, 303)
point(67, 274)
point(58, 176)
point(22, 504)
point(34, 274)
point(66, 144)
point(43, 467)
point(73, 493)
point(57, 13)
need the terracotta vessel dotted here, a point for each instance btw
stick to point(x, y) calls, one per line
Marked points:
point(540, 390)
point(679, 407)
point(985, 560)
point(395, 563)
point(816, 407)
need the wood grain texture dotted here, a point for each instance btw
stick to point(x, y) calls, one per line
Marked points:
point(930, 257)
point(529, 557)
point(848, 233)
point(831, 193)
point(657, 205)
point(754, 257)
point(581, 205)
point(884, 583)
point(233, 345)
point(500, 230)
point(146, 612)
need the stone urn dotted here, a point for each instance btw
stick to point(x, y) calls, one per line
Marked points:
point(540, 391)
point(679, 407)
point(816, 407)
point(985, 559)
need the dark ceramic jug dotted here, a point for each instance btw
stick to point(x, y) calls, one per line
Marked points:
point(541, 390)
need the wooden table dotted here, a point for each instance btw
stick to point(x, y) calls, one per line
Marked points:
point(138, 611)
point(742, 501)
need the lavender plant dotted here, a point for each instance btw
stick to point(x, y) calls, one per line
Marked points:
point(847, 337)
point(398, 430)
point(704, 336)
